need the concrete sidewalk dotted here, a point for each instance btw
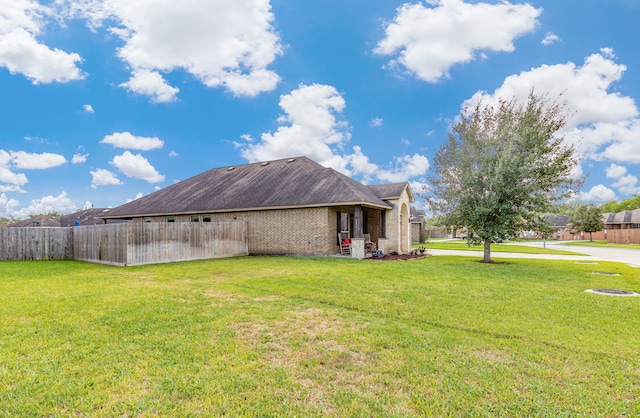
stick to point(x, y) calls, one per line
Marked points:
point(620, 255)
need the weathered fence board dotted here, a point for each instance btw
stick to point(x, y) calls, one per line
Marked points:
point(147, 243)
point(36, 243)
point(101, 243)
point(126, 244)
point(623, 236)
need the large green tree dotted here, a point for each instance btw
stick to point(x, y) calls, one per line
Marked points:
point(502, 167)
point(627, 204)
point(587, 218)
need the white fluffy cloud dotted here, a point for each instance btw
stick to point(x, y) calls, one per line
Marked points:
point(430, 40)
point(102, 177)
point(616, 141)
point(79, 158)
point(136, 166)
point(152, 84)
point(28, 161)
point(599, 193)
point(399, 170)
point(625, 182)
point(7, 206)
point(48, 204)
point(223, 43)
point(585, 88)
point(6, 174)
point(550, 39)
point(130, 141)
point(404, 168)
point(313, 129)
point(376, 122)
point(21, 21)
point(10, 160)
point(615, 171)
point(88, 108)
point(12, 188)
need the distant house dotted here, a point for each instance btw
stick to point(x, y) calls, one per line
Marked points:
point(562, 226)
point(291, 206)
point(623, 227)
point(82, 217)
point(628, 219)
point(564, 230)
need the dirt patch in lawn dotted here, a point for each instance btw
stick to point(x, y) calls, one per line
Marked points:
point(309, 346)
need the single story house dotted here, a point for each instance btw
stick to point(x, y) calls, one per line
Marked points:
point(291, 206)
point(563, 227)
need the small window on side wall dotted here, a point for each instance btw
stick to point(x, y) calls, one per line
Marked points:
point(195, 218)
point(171, 219)
point(206, 218)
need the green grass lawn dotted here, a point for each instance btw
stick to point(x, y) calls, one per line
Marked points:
point(495, 248)
point(273, 336)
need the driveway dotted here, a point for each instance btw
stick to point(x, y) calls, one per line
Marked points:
point(620, 255)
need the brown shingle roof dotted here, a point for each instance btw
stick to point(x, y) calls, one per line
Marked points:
point(391, 191)
point(46, 221)
point(292, 182)
point(560, 221)
point(84, 217)
point(624, 217)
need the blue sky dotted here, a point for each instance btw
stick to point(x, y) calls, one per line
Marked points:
point(105, 101)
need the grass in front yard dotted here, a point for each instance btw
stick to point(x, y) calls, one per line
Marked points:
point(495, 248)
point(264, 336)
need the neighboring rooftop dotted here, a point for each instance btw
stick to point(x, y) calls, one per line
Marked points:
point(560, 221)
point(84, 217)
point(417, 215)
point(624, 217)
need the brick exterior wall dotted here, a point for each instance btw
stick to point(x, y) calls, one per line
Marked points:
point(373, 224)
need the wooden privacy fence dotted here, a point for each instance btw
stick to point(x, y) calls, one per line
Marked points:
point(129, 244)
point(39, 243)
point(623, 236)
point(126, 244)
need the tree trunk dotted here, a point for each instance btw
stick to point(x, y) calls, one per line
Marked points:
point(590, 236)
point(487, 251)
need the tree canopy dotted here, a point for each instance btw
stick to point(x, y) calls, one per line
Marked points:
point(627, 204)
point(502, 167)
point(587, 218)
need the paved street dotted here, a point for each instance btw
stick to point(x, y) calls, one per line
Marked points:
point(621, 255)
